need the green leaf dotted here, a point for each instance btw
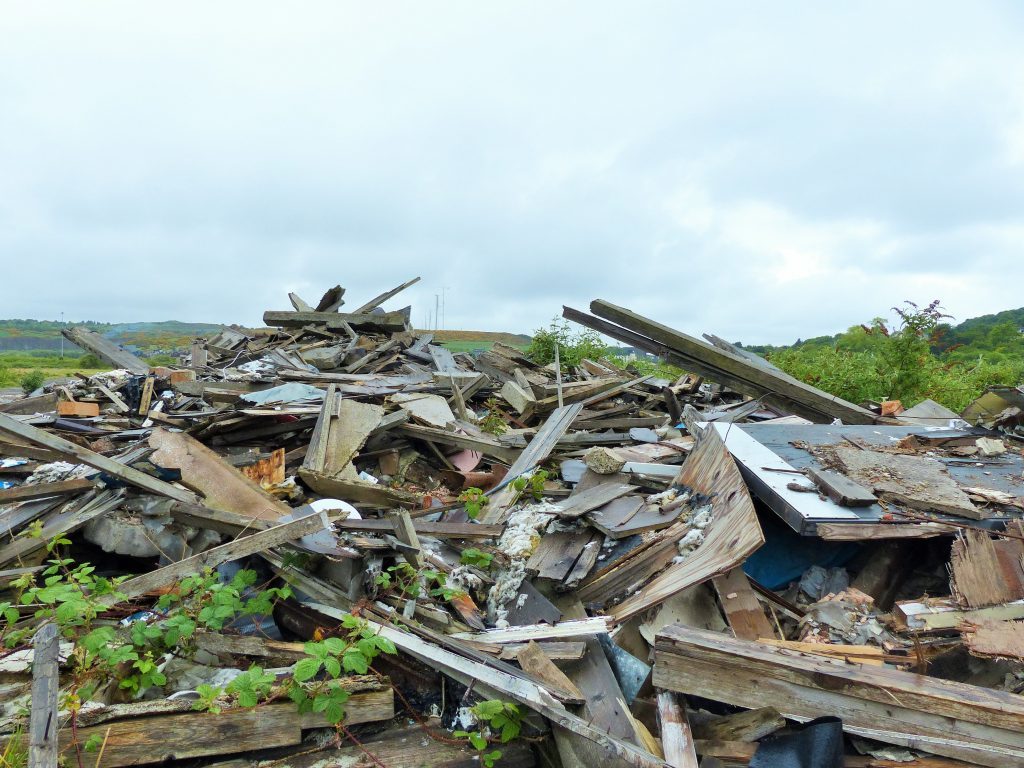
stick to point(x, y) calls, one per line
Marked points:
point(335, 645)
point(478, 741)
point(354, 661)
point(307, 669)
point(247, 699)
point(333, 666)
point(335, 712)
point(385, 645)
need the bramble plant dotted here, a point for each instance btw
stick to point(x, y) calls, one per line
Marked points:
point(476, 557)
point(502, 720)
point(573, 346)
point(492, 423)
point(532, 483)
point(475, 501)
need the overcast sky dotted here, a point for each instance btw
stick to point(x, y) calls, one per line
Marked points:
point(763, 171)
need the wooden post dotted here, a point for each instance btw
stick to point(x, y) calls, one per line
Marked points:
point(42, 734)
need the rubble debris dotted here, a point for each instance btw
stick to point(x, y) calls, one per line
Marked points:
point(336, 540)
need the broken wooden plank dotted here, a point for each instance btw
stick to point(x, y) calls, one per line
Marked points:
point(742, 608)
point(42, 490)
point(749, 725)
point(556, 650)
point(441, 529)
point(723, 367)
point(676, 736)
point(376, 301)
point(184, 735)
point(995, 639)
point(105, 349)
point(222, 486)
point(841, 489)
point(572, 628)
point(939, 716)
point(578, 504)
point(536, 662)
point(388, 322)
point(95, 460)
point(877, 531)
point(938, 613)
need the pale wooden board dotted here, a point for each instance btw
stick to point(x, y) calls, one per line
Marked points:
point(222, 486)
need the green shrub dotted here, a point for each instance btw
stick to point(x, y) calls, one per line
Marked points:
point(89, 360)
point(32, 381)
point(573, 346)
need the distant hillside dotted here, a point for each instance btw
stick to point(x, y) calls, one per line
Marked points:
point(166, 336)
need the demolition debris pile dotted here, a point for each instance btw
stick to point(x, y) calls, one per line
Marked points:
point(338, 541)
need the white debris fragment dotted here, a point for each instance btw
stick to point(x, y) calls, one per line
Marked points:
point(520, 539)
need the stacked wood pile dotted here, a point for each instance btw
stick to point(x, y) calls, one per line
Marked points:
point(577, 543)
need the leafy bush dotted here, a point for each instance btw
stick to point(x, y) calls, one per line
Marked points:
point(32, 381)
point(89, 360)
point(878, 362)
point(573, 346)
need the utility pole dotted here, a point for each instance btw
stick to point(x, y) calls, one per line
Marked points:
point(437, 304)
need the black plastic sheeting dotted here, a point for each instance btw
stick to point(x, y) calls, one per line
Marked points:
point(819, 744)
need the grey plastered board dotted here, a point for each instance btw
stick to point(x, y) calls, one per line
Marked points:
point(757, 446)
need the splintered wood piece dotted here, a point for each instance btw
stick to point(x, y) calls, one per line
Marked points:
point(376, 301)
point(732, 535)
point(841, 489)
point(222, 486)
point(584, 501)
point(741, 606)
point(629, 515)
point(146, 398)
point(535, 662)
point(995, 639)
point(676, 736)
point(556, 650)
point(331, 300)
point(557, 553)
point(405, 532)
point(915, 481)
point(986, 571)
point(269, 470)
